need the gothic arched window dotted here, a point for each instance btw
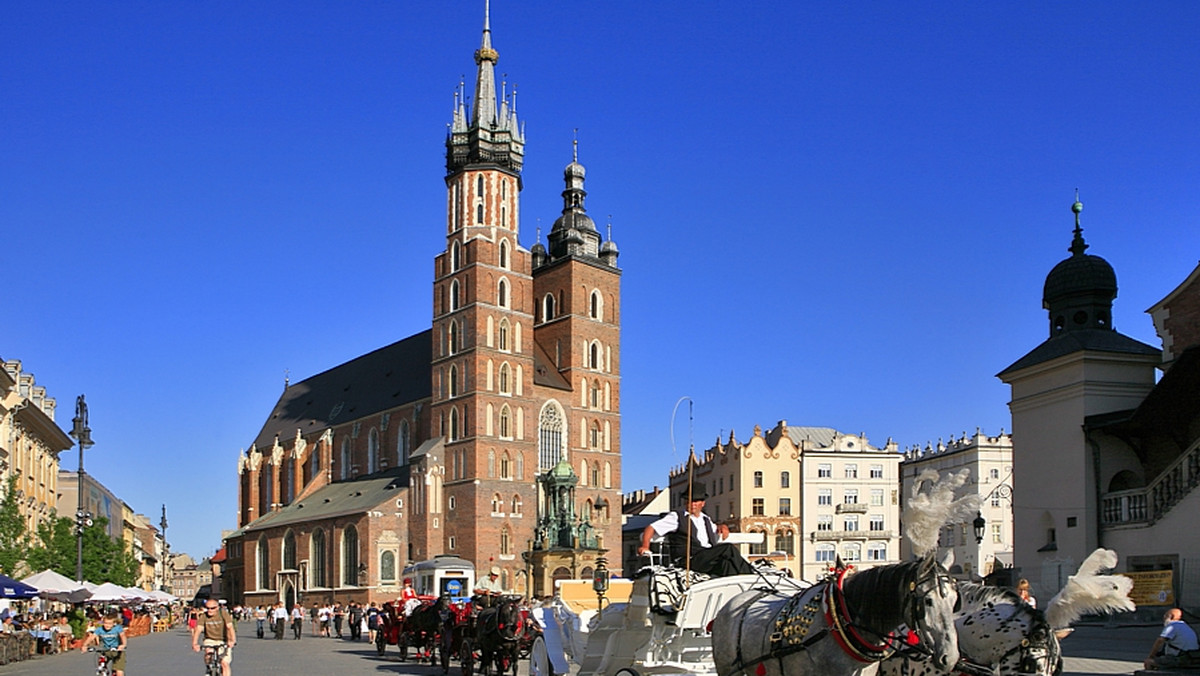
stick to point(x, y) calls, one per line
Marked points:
point(402, 447)
point(373, 451)
point(318, 557)
point(263, 563)
point(502, 293)
point(551, 431)
point(289, 551)
point(350, 556)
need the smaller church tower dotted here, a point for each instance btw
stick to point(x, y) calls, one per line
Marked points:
point(1084, 368)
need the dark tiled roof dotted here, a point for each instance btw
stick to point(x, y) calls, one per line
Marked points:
point(375, 382)
point(1096, 340)
point(544, 371)
point(1170, 409)
point(343, 498)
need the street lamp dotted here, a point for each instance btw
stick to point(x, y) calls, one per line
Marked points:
point(82, 434)
point(1002, 491)
point(600, 584)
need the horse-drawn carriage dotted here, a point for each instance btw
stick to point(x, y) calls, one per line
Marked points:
point(489, 632)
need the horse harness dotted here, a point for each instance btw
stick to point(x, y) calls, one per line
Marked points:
point(792, 627)
point(1026, 664)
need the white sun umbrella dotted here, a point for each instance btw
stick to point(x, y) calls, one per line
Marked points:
point(57, 587)
point(112, 593)
point(163, 597)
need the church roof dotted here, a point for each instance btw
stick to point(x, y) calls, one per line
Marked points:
point(1171, 406)
point(343, 498)
point(1095, 340)
point(377, 381)
point(544, 372)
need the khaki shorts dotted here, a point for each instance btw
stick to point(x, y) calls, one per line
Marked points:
point(227, 656)
point(116, 660)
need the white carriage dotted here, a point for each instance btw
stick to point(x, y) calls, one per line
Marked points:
point(639, 632)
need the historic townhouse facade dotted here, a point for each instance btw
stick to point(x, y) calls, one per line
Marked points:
point(30, 442)
point(989, 461)
point(813, 493)
point(443, 442)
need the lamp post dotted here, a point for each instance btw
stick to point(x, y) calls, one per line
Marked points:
point(82, 434)
point(600, 584)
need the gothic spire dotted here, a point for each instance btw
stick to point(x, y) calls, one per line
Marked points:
point(484, 113)
point(492, 134)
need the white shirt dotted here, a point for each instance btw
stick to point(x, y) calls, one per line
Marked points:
point(670, 522)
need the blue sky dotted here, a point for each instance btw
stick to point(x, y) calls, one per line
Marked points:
point(839, 214)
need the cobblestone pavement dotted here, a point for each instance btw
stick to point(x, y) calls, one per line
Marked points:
point(1089, 651)
point(170, 654)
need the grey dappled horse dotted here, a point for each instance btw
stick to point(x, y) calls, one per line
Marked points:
point(998, 634)
point(831, 629)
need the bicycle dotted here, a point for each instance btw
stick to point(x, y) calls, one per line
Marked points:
point(104, 657)
point(212, 659)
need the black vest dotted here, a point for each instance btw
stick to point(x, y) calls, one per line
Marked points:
point(678, 538)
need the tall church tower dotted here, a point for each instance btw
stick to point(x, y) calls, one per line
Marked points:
point(482, 318)
point(1085, 368)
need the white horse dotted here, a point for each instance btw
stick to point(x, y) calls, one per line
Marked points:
point(840, 625)
point(1001, 635)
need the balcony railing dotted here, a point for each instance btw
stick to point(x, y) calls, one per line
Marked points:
point(852, 508)
point(825, 535)
point(1144, 506)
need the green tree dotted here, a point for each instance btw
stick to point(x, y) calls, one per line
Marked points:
point(14, 540)
point(105, 559)
point(56, 547)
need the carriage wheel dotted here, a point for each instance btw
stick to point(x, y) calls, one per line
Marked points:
point(539, 659)
point(627, 672)
point(466, 657)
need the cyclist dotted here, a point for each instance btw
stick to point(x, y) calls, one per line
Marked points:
point(214, 631)
point(110, 638)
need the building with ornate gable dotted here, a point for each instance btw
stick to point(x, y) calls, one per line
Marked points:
point(813, 493)
point(444, 442)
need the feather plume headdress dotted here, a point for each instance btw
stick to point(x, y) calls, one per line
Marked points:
point(933, 505)
point(1089, 591)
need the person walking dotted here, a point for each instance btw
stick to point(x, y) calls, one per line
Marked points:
point(312, 620)
point(260, 620)
point(297, 621)
point(355, 616)
point(278, 617)
point(324, 615)
point(372, 621)
point(338, 615)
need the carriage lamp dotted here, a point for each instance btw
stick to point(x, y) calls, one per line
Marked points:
point(600, 584)
point(979, 524)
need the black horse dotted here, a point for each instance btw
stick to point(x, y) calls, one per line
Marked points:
point(497, 630)
point(422, 629)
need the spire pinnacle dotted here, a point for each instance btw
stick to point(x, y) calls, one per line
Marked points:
point(575, 146)
point(1078, 246)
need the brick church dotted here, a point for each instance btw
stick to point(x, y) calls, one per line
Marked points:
point(493, 436)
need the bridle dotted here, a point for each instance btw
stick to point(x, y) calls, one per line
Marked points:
point(1027, 661)
point(851, 636)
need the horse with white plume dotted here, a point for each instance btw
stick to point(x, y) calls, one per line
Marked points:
point(848, 622)
point(1001, 635)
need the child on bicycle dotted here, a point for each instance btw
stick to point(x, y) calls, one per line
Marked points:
point(109, 637)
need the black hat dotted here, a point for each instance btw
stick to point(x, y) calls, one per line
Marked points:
point(698, 493)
